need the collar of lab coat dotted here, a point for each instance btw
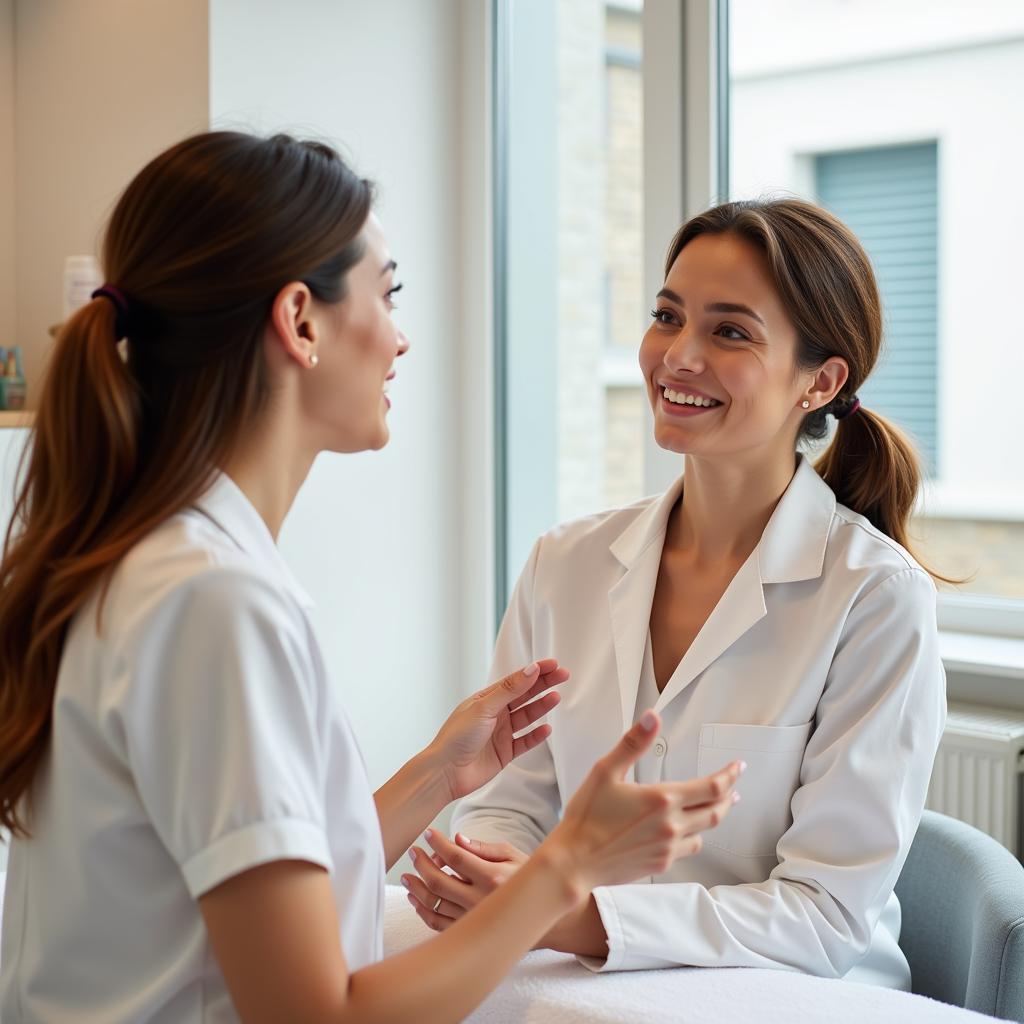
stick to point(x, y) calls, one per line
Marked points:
point(792, 548)
point(226, 505)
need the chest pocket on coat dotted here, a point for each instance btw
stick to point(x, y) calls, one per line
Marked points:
point(773, 754)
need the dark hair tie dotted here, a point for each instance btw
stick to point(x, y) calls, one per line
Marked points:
point(121, 304)
point(852, 406)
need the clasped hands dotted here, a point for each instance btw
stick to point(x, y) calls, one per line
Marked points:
point(453, 877)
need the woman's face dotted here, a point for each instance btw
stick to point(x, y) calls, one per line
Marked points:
point(357, 345)
point(719, 358)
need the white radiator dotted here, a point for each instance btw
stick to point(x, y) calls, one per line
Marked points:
point(977, 771)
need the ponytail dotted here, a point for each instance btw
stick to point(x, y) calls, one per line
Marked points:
point(873, 469)
point(80, 460)
point(131, 430)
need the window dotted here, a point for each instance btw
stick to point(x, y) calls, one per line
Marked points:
point(571, 241)
point(895, 116)
point(889, 197)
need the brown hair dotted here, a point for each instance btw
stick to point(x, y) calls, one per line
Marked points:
point(200, 242)
point(828, 288)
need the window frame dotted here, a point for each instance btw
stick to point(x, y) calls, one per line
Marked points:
point(685, 140)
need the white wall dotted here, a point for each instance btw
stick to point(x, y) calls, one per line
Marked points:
point(784, 35)
point(100, 88)
point(7, 322)
point(967, 99)
point(376, 538)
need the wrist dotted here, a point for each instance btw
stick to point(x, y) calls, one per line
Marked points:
point(555, 858)
point(580, 932)
point(430, 779)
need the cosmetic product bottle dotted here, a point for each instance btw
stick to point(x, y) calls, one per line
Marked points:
point(12, 383)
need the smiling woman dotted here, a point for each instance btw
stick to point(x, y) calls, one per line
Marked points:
point(767, 610)
point(804, 296)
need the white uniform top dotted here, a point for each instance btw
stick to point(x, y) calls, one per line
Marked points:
point(648, 767)
point(819, 667)
point(194, 736)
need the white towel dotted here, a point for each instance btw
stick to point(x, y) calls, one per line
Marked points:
point(552, 988)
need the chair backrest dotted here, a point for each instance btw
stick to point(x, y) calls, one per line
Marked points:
point(962, 896)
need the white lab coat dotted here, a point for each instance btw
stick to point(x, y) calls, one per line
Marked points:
point(819, 667)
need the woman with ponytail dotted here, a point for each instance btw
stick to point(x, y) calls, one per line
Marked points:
point(195, 838)
point(769, 608)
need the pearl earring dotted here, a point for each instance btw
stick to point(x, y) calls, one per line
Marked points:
point(806, 404)
point(313, 360)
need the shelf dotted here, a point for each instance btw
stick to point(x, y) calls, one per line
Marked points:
point(9, 420)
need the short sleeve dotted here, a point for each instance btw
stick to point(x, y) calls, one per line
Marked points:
point(220, 724)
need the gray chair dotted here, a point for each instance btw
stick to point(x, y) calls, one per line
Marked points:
point(962, 896)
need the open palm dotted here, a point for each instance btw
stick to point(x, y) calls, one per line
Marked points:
point(480, 736)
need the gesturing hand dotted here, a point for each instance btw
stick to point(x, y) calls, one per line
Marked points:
point(621, 829)
point(479, 738)
point(617, 831)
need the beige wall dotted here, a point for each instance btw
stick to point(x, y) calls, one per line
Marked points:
point(100, 87)
point(6, 172)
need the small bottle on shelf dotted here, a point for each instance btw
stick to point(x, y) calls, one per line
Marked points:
point(12, 383)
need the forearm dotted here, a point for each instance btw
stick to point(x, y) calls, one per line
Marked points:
point(581, 932)
point(442, 980)
point(408, 802)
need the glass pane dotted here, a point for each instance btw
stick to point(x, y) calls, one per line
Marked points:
point(897, 117)
point(575, 304)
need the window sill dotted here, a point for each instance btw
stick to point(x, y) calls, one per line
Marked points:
point(978, 655)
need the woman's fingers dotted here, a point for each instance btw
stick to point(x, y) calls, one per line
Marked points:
point(439, 882)
point(435, 919)
point(510, 690)
point(442, 846)
point(515, 689)
point(709, 789)
point(626, 830)
point(467, 863)
point(436, 912)
point(521, 744)
point(631, 746)
point(554, 677)
point(711, 815)
point(494, 852)
point(418, 891)
point(526, 716)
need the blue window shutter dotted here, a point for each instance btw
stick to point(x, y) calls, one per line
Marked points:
point(890, 198)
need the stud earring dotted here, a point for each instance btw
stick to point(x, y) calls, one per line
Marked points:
point(313, 360)
point(805, 403)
